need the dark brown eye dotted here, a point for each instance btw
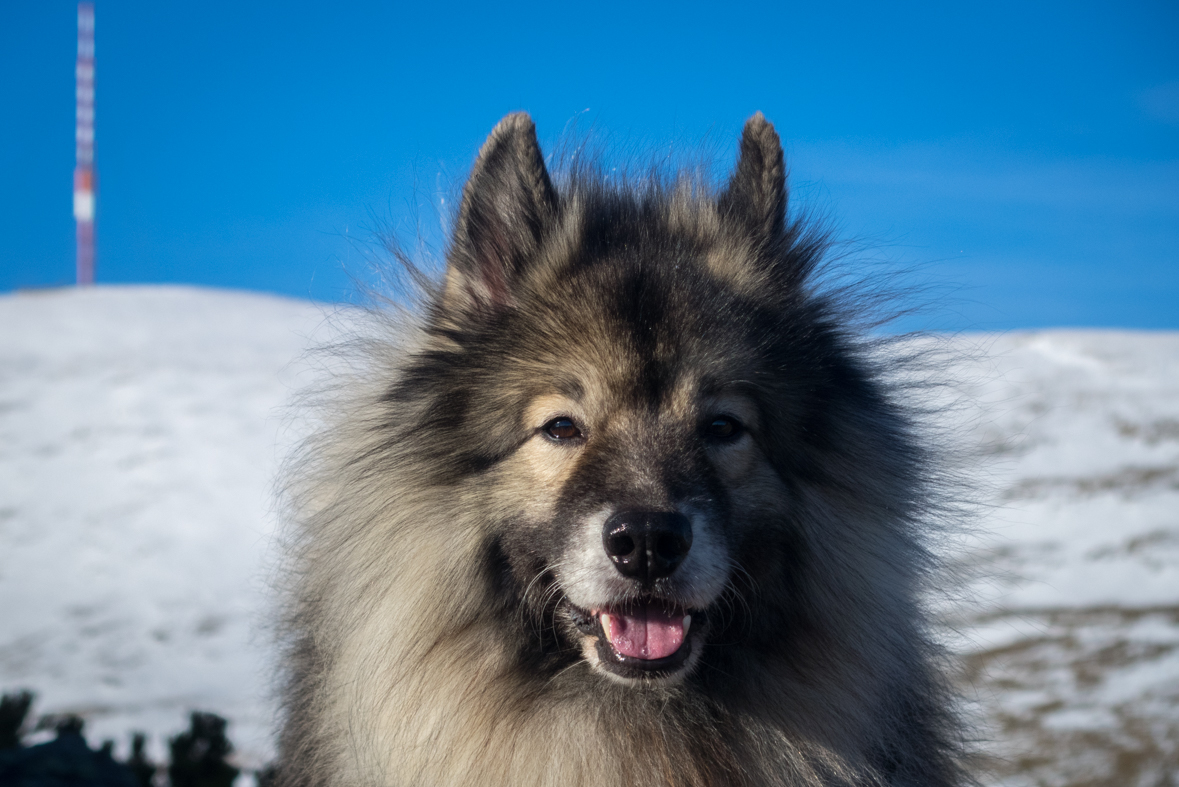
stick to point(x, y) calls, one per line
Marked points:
point(722, 427)
point(562, 429)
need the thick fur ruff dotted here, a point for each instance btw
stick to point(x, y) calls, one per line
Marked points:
point(595, 350)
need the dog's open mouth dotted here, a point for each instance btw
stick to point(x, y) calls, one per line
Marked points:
point(650, 632)
point(645, 639)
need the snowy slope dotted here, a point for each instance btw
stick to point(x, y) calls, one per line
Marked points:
point(139, 438)
point(141, 428)
point(1084, 427)
point(1073, 646)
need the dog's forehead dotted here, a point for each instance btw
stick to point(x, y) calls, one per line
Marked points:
point(599, 372)
point(648, 326)
point(685, 242)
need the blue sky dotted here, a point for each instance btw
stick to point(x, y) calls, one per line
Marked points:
point(1023, 158)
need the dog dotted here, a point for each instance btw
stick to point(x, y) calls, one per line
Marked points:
point(626, 499)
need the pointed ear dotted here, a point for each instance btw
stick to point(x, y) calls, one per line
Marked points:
point(756, 195)
point(508, 205)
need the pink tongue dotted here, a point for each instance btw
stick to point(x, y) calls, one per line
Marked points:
point(650, 633)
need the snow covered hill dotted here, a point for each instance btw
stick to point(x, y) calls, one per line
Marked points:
point(1073, 649)
point(140, 433)
point(141, 429)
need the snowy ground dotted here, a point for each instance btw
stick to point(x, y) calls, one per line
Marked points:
point(139, 438)
point(140, 430)
point(1072, 649)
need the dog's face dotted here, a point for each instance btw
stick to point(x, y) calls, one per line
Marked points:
point(644, 506)
point(638, 475)
point(619, 398)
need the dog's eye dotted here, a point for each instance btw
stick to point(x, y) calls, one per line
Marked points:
point(562, 429)
point(722, 427)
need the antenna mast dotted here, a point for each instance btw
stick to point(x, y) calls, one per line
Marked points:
point(85, 186)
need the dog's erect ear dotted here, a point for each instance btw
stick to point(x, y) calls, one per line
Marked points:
point(508, 205)
point(756, 195)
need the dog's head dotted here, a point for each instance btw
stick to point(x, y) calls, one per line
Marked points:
point(634, 379)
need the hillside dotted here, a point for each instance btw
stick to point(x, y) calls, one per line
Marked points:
point(141, 430)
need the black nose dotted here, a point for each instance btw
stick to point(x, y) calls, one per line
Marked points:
point(647, 545)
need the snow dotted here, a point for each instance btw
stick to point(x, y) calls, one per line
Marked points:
point(141, 429)
point(140, 433)
point(1081, 434)
point(1071, 645)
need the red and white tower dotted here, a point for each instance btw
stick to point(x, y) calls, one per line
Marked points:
point(85, 183)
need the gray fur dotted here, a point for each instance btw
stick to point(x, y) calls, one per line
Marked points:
point(433, 527)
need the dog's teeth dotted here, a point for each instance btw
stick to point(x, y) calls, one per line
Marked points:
point(687, 624)
point(605, 618)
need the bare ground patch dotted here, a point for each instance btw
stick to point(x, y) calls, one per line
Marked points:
point(1078, 697)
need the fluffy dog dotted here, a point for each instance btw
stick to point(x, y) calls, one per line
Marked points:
point(623, 501)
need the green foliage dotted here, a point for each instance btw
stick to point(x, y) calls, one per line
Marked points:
point(13, 709)
point(65, 761)
point(140, 766)
point(198, 756)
